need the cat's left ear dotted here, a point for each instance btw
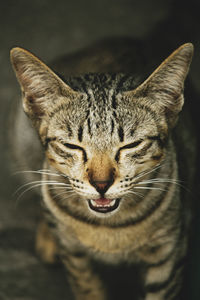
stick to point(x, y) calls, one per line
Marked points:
point(163, 89)
point(40, 86)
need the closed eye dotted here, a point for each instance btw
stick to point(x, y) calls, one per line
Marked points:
point(132, 145)
point(67, 145)
point(72, 146)
point(76, 147)
point(128, 146)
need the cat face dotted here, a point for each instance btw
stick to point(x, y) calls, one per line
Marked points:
point(104, 148)
point(103, 132)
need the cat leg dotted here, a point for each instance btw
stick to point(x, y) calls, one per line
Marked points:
point(164, 270)
point(84, 282)
point(45, 244)
point(163, 282)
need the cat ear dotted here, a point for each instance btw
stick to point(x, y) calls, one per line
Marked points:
point(39, 84)
point(164, 87)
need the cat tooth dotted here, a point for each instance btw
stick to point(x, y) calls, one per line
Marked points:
point(112, 203)
point(93, 203)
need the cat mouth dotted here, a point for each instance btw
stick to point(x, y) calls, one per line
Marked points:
point(104, 205)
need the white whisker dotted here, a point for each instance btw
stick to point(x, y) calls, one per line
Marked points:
point(66, 188)
point(149, 188)
point(49, 172)
point(39, 181)
point(36, 184)
point(42, 172)
point(160, 180)
point(30, 188)
point(135, 193)
point(69, 194)
point(142, 174)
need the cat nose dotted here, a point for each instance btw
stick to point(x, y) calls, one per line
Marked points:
point(102, 186)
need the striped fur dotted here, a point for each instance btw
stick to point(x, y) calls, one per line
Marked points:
point(110, 181)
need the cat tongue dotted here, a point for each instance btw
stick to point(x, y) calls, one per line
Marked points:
point(103, 201)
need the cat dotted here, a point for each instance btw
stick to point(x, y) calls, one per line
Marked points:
point(111, 177)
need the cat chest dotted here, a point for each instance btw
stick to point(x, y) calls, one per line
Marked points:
point(100, 239)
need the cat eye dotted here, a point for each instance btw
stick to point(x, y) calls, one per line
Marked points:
point(128, 146)
point(72, 146)
point(132, 145)
point(76, 147)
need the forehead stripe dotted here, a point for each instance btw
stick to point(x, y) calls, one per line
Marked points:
point(80, 134)
point(121, 134)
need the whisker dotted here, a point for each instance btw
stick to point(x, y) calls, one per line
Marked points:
point(160, 180)
point(150, 188)
point(61, 187)
point(69, 194)
point(42, 172)
point(30, 188)
point(137, 199)
point(36, 172)
point(135, 193)
point(38, 184)
point(39, 181)
point(49, 172)
point(142, 174)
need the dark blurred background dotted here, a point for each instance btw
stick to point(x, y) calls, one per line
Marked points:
point(51, 28)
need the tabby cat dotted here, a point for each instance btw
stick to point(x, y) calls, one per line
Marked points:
point(110, 180)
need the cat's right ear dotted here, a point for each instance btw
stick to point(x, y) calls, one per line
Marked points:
point(39, 84)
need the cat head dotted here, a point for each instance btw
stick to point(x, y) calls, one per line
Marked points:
point(103, 131)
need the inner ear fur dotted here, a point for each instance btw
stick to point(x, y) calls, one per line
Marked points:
point(39, 84)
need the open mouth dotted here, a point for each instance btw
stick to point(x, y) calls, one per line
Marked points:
point(104, 205)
